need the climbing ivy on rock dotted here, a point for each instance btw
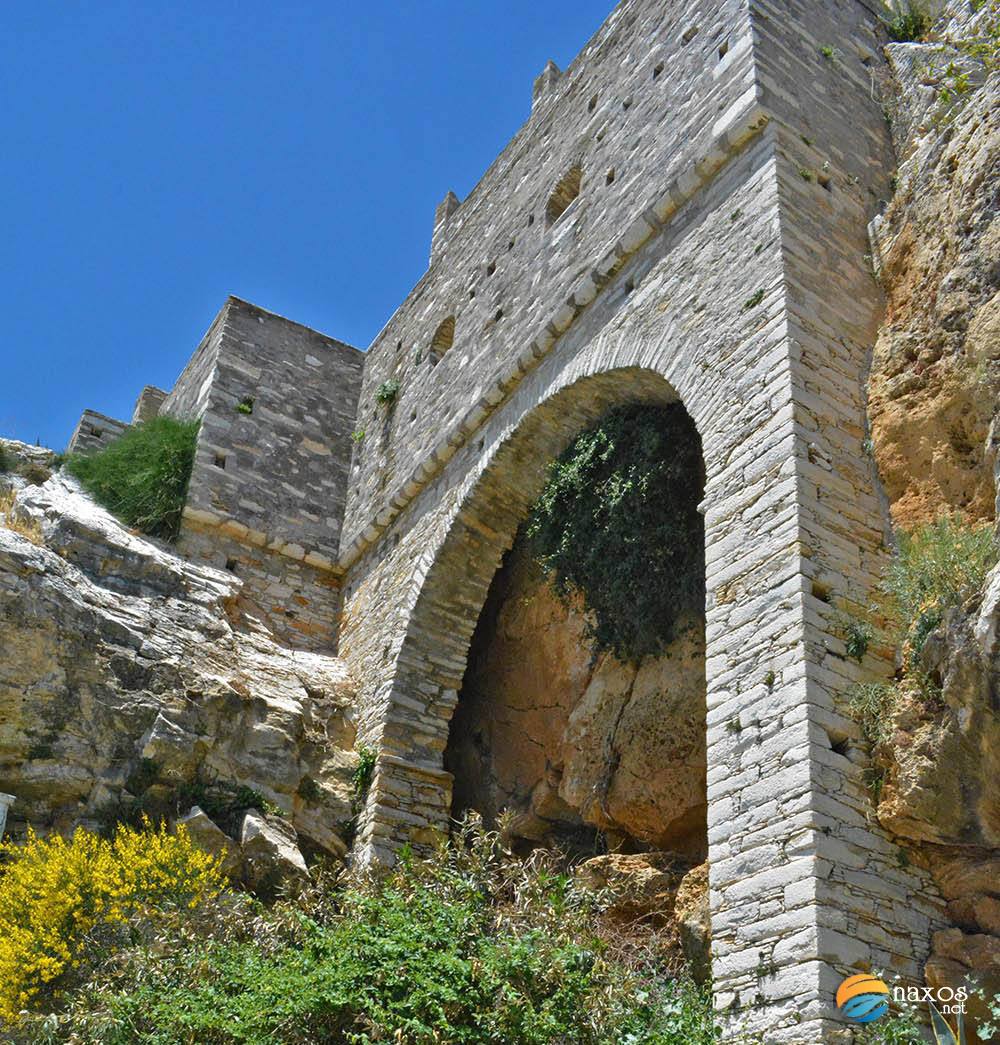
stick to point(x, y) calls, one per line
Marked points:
point(618, 524)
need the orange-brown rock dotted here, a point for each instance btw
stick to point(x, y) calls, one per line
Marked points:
point(660, 892)
point(935, 365)
point(567, 742)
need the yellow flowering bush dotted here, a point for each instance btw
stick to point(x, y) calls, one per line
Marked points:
point(54, 892)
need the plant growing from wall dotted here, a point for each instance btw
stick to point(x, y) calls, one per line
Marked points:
point(387, 392)
point(143, 477)
point(618, 524)
point(908, 20)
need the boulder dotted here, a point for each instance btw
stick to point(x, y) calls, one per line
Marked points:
point(271, 854)
point(210, 838)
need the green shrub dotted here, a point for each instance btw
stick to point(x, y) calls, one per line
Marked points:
point(387, 391)
point(871, 707)
point(468, 946)
point(936, 567)
point(7, 462)
point(361, 778)
point(142, 477)
point(908, 20)
point(618, 523)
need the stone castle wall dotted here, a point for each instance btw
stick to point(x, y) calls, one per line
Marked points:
point(681, 218)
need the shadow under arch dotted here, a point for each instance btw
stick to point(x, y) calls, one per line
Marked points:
point(431, 661)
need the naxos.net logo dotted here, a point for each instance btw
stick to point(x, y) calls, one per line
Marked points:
point(863, 998)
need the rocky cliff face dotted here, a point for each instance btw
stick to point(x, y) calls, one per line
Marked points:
point(569, 742)
point(933, 412)
point(934, 380)
point(132, 680)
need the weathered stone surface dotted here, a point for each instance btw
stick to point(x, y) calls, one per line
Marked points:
point(661, 890)
point(208, 836)
point(946, 756)
point(935, 369)
point(271, 856)
point(129, 675)
point(563, 740)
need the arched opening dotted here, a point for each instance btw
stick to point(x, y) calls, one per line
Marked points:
point(582, 708)
point(444, 338)
point(580, 723)
point(563, 195)
point(622, 781)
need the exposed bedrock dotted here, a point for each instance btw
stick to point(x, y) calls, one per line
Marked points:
point(570, 744)
point(130, 682)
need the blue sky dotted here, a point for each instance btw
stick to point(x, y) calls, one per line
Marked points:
point(157, 157)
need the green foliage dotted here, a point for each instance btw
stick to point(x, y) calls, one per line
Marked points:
point(469, 946)
point(6, 461)
point(618, 524)
point(245, 405)
point(361, 778)
point(937, 566)
point(908, 21)
point(871, 707)
point(387, 392)
point(142, 477)
point(753, 301)
point(358, 435)
point(858, 635)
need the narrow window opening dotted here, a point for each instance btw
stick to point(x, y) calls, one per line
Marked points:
point(444, 338)
point(498, 316)
point(610, 177)
point(657, 70)
point(220, 461)
point(231, 565)
point(592, 104)
point(627, 103)
point(723, 50)
point(531, 220)
point(399, 346)
point(563, 195)
point(510, 246)
point(472, 295)
point(629, 286)
point(689, 34)
point(491, 268)
point(96, 432)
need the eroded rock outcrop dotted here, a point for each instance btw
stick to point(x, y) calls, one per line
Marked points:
point(941, 793)
point(934, 378)
point(130, 680)
point(933, 412)
point(566, 741)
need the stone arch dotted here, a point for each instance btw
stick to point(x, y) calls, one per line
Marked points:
point(431, 660)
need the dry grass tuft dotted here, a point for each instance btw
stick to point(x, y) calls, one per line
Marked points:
point(11, 519)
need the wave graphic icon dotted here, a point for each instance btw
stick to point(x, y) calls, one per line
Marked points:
point(863, 998)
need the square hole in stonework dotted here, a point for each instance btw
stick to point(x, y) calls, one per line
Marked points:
point(657, 70)
point(220, 461)
point(723, 49)
point(610, 177)
point(231, 565)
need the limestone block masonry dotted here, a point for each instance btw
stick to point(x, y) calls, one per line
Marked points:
point(682, 217)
